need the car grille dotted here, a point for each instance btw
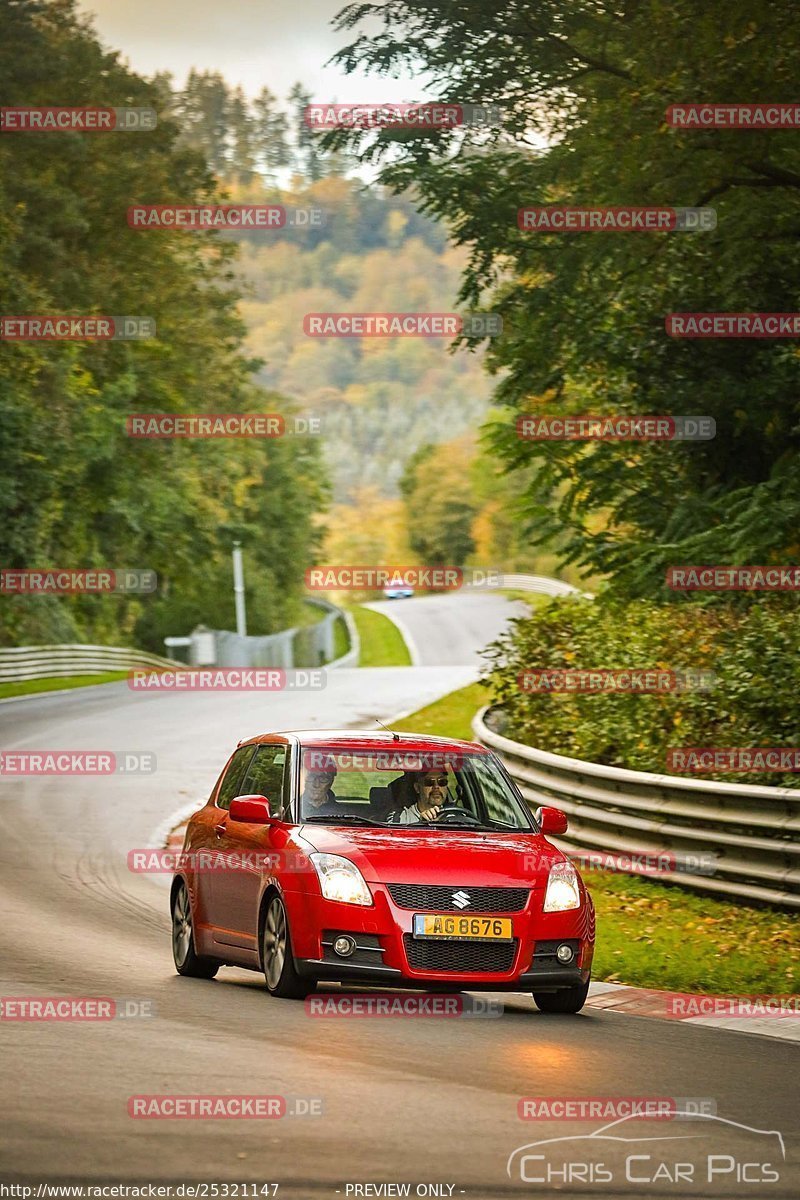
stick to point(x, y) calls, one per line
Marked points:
point(436, 898)
point(468, 958)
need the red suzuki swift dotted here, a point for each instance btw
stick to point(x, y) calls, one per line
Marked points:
point(385, 859)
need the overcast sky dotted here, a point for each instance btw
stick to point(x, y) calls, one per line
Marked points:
point(251, 42)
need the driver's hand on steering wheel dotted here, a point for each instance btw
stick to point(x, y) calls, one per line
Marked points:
point(431, 814)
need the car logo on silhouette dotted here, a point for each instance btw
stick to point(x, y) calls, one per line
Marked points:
point(461, 899)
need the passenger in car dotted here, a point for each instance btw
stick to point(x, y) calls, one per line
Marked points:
point(317, 798)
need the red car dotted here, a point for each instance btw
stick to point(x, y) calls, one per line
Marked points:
point(382, 859)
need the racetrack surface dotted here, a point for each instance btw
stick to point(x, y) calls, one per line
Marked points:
point(452, 628)
point(428, 1101)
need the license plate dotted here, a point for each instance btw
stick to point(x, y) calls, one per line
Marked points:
point(456, 927)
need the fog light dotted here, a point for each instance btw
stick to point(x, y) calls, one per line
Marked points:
point(565, 953)
point(344, 946)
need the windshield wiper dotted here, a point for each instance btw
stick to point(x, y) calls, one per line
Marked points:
point(455, 825)
point(341, 819)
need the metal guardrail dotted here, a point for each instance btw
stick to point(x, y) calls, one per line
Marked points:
point(750, 832)
point(42, 662)
point(541, 584)
point(351, 658)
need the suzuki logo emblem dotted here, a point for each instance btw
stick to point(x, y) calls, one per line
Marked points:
point(461, 899)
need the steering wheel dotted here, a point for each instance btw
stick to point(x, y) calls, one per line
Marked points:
point(451, 811)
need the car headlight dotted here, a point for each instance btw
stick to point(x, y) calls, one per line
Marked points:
point(341, 879)
point(563, 891)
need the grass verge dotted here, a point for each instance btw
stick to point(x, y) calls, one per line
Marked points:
point(449, 717)
point(382, 643)
point(656, 935)
point(54, 683)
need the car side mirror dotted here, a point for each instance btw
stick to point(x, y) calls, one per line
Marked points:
point(552, 820)
point(252, 809)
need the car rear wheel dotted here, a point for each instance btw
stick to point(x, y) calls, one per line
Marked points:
point(567, 1000)
point(187, 962)
point(276, 953)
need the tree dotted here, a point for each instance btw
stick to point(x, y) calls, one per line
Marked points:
point(583, 90)
point(77, 491)
point(309, 160)
point(270, 128)
point(440, 504)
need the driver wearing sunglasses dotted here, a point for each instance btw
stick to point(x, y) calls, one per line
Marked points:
point(432, 795)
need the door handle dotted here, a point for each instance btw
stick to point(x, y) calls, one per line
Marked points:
point(219, 830)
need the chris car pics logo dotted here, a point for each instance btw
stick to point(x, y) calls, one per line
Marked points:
point(702, 1151)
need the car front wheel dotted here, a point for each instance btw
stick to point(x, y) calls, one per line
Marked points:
point(567, 1000)
point(187, 962)
point(276, 953)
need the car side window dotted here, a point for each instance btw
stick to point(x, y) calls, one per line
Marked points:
point(268, 776)
point(234, 776)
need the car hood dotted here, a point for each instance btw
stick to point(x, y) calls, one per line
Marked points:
point(439, 856)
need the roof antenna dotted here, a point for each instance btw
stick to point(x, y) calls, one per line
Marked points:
point(395, 736)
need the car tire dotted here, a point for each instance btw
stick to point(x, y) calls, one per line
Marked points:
point(187, 961)
point(567, 1000)
point(280, 972)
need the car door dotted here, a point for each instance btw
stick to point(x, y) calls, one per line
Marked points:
point(248, 850)
point(229, 786)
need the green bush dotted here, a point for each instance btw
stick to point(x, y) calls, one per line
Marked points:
point(753, 650)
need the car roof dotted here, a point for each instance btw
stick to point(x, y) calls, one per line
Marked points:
point(367, 739)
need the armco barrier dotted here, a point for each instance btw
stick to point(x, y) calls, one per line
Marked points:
point(542, 585)
point(751, 830)
point(42, 662)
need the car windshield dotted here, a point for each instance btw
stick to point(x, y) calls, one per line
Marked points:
point(403, 789)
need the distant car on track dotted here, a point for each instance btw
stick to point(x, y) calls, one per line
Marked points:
point(380, 858)
point(400, 592)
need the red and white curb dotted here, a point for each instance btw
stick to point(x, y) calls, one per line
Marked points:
point(648, 1002)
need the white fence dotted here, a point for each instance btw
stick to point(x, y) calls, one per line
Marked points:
point(42, 662)
point(748, 832)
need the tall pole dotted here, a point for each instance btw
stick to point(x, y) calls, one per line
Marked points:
point(238, 590)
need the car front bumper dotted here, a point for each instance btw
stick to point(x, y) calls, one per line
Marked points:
point(385, 947)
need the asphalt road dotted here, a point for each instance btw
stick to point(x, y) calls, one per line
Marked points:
point(403, 1100)
point(451, 628)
